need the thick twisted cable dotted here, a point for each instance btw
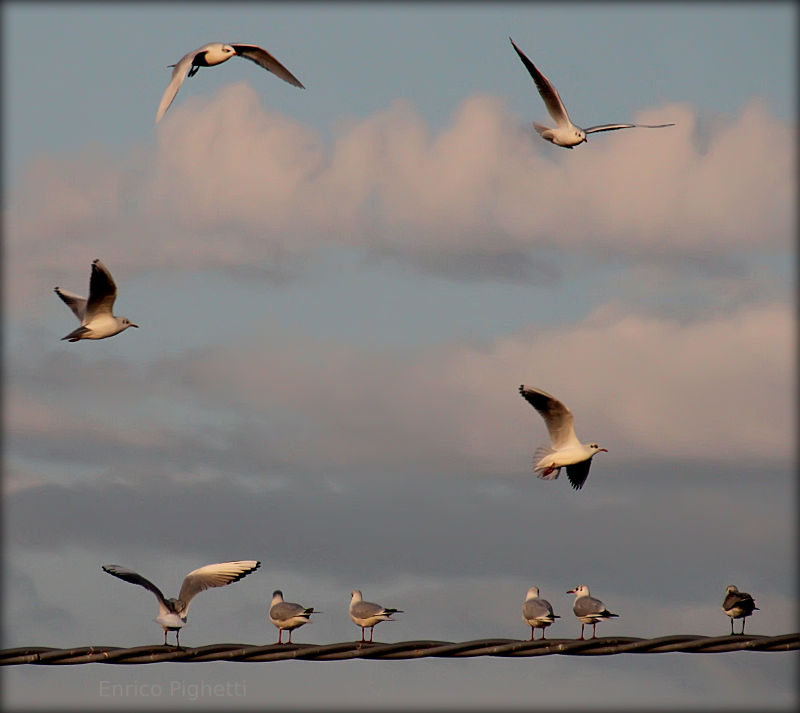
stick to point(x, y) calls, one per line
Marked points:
point(603, 646)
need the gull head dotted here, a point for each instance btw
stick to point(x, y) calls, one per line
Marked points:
point(597, 449)
point(127, 323)
point(581, 590)
point(533, 593)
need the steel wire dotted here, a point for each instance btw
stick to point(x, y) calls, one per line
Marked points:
point(514, 648)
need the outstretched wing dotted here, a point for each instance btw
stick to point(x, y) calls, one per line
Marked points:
point(214, 575)
point(557, 417)
point(547, 91)
point(178, 75)
point(128, 575)
point(264, 59)
point(75, 302)
point(578, 473)
point(102, 291)
point(615, 127)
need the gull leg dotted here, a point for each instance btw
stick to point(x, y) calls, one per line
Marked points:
point(165, 637)
point(594, 629)
point(582, 625)
point(731, 626)
point(178, 638)
point(371, 632)
point(744, 619)
point(362, 634)
point(543, 630)
point(290, 636)
point(280, 635)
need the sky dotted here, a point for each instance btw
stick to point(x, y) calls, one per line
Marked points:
point(339, 291)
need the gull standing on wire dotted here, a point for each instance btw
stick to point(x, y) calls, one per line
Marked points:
point(216, 53)
point(565, 133)
point(172, 613)
point(367, 614)
point(94, 313)
point(287, 615)
point(588, 609)
point(565, 449)
point(537, 613)
point(738, 605)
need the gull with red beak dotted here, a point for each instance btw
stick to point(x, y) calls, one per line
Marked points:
point(588, 609)
point(565, 450)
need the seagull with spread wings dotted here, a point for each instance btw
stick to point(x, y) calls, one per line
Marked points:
point(216, 53)
point(172, 613)
point(565, 133)
point(94, 313)
point(565, 450)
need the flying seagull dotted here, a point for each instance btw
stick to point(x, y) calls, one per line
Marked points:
point(217, 53)
point(588, 609)
point(565, 449)
point(367, 614)
point(172, 612)
point(97, 321)
point(738, 605)
point(287, 615)
point(565, 133)
point(537, 613)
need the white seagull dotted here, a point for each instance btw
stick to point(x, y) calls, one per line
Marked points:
point(172, 612)
point(217, 53)
point(588, 609)
point(287, 615)
point(97, 321)
point(565, 133)
point(537, 613)
point(565, 449)
point(367, 614)
point(738, 605)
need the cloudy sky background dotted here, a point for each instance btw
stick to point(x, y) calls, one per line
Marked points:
point(339, 291)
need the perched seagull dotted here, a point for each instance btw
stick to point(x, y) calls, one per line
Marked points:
point(97, 322)
point(367, 614)
point(566, 133)
point(172, 612)
point(588, 609)
point(537, 612)
point(287, 615)
point(217, 53)
point(565, 449)
point(738, 605)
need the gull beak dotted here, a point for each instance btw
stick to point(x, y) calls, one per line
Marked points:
point(570, 591)
point(605, 450)
point(133, 325)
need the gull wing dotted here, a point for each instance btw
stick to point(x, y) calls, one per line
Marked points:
point(283, 611)
point(264, 59)
point(614, 127)
point(741, 600)
point(75, 302)
point(590, 607)
point(538, 609)
point(178, 75)
point(128, 575)
point(557, 417)
point(102, 291)
point(213, 575)
point(578, 473)
point(547, 91)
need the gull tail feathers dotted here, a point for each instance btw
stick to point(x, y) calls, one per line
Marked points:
point(544, 470)
point(539, 128)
